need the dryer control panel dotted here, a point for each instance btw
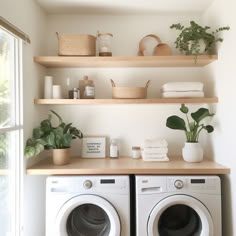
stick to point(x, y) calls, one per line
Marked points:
point(201, 184)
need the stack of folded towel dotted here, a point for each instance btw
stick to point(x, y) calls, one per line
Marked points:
point(155, 150)
point(182, 90)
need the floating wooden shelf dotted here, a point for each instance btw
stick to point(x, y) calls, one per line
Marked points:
point(129, 61)
point(124, 101)
point(127, 165)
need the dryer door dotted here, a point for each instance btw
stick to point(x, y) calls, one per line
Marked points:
point(180, 215)
point(87, 215)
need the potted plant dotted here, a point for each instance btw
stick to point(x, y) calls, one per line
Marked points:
point(58, 138)
point(192, 151)
point(191, 38)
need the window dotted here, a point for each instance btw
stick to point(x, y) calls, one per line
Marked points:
point(11, 133)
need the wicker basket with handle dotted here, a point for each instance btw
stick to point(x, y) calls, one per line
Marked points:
point(129, 92)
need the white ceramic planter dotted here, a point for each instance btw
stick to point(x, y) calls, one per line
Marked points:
point(61, 156)
point(192, 152)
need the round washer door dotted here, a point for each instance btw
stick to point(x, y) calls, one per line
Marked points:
point(87, 215)
point(180, 215)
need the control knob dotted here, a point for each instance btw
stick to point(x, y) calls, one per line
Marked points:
point(87, 184)
point(179, 184)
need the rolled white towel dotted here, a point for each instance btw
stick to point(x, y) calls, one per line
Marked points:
point(190, 94)
point(182, 86)
point(153, 150)
point(157, 143)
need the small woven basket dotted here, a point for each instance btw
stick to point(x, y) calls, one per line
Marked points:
point(129, 92)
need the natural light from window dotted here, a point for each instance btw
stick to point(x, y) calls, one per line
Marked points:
point(10, 133)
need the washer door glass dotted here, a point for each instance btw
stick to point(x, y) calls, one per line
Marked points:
point(88, 219)
point(87, 215)
point(180, 215)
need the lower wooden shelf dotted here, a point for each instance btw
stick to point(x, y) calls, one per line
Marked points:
point(127, 165)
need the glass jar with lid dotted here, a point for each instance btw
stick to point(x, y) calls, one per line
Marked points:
point(104, 44)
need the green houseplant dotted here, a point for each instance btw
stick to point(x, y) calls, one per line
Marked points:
point(47, 136)
point(192, 129)
point(190, 38)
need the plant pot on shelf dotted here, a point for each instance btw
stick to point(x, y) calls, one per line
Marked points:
point(192, 152)
point(61, 156)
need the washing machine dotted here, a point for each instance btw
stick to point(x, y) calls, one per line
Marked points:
point(88, 206)
point(178, 206)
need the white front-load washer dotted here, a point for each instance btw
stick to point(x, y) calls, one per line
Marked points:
point(178, 206)
point(88, 206)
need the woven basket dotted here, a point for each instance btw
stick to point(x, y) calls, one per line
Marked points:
point(129, 92)
point(76, 45)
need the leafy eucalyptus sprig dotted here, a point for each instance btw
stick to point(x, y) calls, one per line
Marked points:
point(188, 41)
point(46, 136)
point(193, 128)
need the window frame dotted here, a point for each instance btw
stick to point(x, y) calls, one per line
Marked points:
point(15, 129)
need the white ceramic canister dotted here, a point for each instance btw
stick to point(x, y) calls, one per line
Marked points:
point(48, 81)
point(56, 92)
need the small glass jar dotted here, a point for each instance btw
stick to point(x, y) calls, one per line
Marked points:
point(104, 44)
point(136, 152)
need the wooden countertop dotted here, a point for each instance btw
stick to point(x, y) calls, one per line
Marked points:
point(127, 165)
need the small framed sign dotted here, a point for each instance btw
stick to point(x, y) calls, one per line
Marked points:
point(94, 147)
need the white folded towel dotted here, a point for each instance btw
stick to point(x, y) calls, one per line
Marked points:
point(189, 94)
point(154, 150)
point(164, 158)
point(154, 156)
point(182, 86)
point(157, 143)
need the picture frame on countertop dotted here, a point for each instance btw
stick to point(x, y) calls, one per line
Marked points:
point(94, 147)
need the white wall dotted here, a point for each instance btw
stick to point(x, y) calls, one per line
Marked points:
point(27, 16)
point(131, 123)
point(222, 13)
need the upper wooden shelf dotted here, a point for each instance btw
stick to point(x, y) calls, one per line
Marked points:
point(124, 101)
point(127, 165)
point(129, 61)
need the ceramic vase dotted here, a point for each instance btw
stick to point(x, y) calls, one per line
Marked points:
point(61, 156)
point(192, 152)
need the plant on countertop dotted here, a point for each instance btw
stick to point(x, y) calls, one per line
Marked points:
point(189, 39)
point(48, 137)
point(193, 128)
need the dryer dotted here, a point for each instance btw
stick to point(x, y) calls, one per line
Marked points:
point(178, 206)
point(88, 206)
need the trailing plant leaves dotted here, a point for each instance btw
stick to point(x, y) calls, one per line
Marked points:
point(29, 151)
point(60, 119)
point(175, 122)
point(66, 128)
point(67, 139)
point(200, 114)
point(38, 148)
point(47, 137)
point(50, 140)
point(188, 40)
point(37, 133)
